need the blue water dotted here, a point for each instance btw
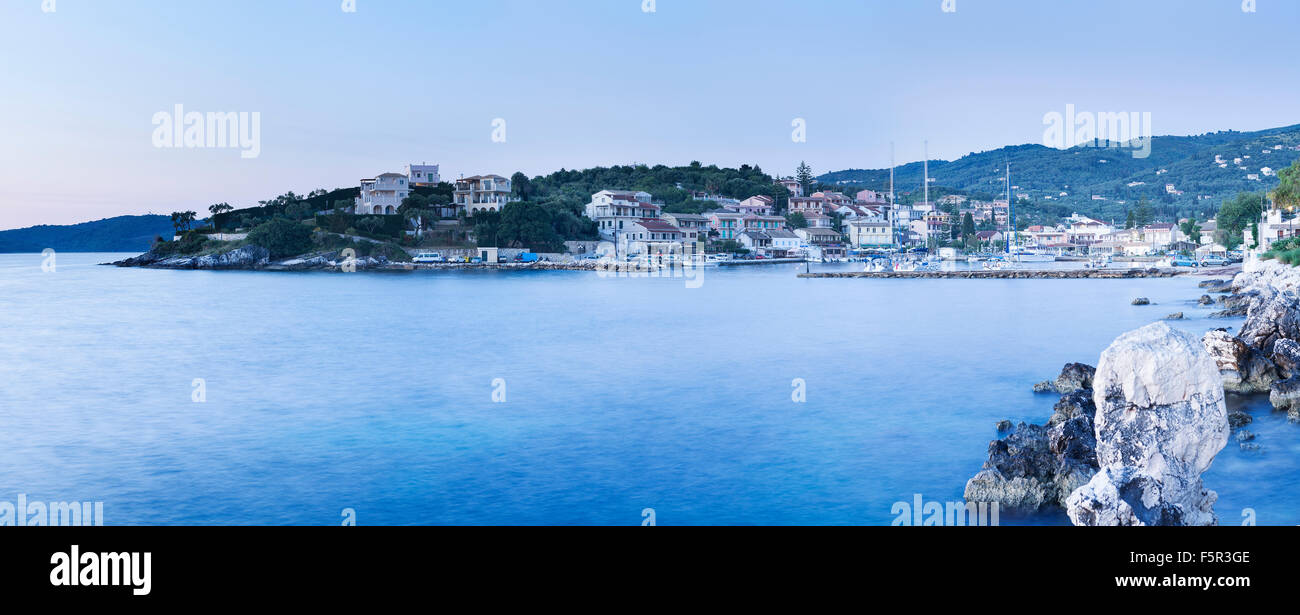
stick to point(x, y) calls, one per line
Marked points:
point(375, 392)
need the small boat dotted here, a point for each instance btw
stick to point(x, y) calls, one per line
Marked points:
point(995, 264)
point(1102, 262)
point(879, 265)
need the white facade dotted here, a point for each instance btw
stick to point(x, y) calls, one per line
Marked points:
point(482, 193)
point(422, 174)
point(615, 210)
point(382, 195)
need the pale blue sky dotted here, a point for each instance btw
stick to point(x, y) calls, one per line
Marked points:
point(591, 82)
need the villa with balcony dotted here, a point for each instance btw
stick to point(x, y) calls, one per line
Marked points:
point(382, 195)
point(482, 193)
point(615, 210)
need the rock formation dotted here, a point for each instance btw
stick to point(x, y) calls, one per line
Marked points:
point(1161, 419)
point(1244, 369)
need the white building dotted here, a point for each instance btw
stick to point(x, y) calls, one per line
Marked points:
point(615, 210)
point(382, 195)
point(482, 193)
point(422, 174)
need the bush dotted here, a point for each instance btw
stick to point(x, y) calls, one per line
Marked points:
point(190, 243)
point(283, 238)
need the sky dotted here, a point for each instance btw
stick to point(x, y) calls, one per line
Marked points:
point(499, 86)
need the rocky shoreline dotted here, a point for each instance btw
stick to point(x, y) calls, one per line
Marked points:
point(1127, 442)
point(254, 258)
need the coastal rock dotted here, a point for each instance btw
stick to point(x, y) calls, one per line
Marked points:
point(1272, 319)
point(1175, 316)
point(1004, 426)
point(1238, 419)
point(1243, 368)
point(1206, 300)
point(241, 257)
point(1075, 377)
point(1245, 435)
point(1161, 419)
point(1216, 286)
point(1073, 405)
point(1285, 396)
point(1046, 386)
point(1286, 356)
point(1039, 466)
point(1141, 301)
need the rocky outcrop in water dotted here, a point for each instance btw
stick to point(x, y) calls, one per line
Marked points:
point(1272, 319)
point(1286, 356)
point(1141, 301)
point(1073, 377)
point(1161, 419)
point(1038, 466)
point(1244, 369)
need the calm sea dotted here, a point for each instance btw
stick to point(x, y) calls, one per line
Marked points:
point(548, 397)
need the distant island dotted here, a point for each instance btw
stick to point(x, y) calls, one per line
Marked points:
point(120, 234)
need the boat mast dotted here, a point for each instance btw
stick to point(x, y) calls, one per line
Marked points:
point(1011, 209)
point(892, 207)
point(927, 194)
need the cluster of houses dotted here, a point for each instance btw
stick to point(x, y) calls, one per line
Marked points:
point(636, 224)
point(383, 194)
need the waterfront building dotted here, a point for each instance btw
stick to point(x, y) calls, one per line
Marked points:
point(382, 195)
point(615, 210)
point(482, 193)
point(827, 241)
point(693, 226)
point(870, 234)
point(784, 242)
point(727, 224)
point(756, 242)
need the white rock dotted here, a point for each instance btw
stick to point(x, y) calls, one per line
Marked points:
point(1161, 419)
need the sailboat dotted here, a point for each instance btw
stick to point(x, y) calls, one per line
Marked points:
point(1016, 253)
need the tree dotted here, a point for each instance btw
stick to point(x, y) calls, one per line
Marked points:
point(1132, 220)
point(371, 224)
point(804, 175)
point(528, 225)
point(1236, 215)
point(1191, 229)
point(1143, 216)
point(183, 220)
point(519, 186)
point(1287, 194)
point(967, 229)
point(220, 208)
point(796, 220)
point(281, 237)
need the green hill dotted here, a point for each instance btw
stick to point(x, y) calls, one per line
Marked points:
point(1082, 172)
point(120, 234)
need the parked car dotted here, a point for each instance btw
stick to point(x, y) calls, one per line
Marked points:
point(526, 257)
point(429, 257)
point(1214, 261)
point(1186, 261)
